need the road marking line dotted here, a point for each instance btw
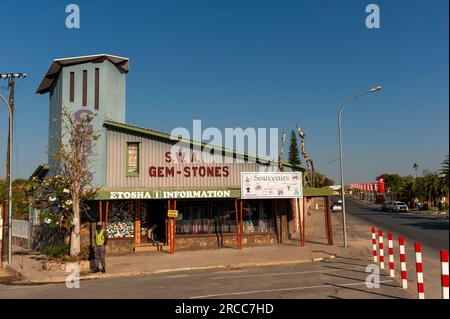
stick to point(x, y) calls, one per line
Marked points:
point(283, 289)
point(277, 274)
point(25, 286)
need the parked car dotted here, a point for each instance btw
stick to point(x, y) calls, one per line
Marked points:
point(398, 207)
point(385, 206)
point(337, 207)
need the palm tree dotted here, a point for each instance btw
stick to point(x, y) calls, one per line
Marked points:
point(432, 188)
point(444, 173)
point(416, 167)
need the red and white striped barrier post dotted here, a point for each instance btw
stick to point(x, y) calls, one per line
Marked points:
point(391, 255)
point(401, 242)
point(419, 270)
point(380, 246)
point(374, 244)
point(444, 273)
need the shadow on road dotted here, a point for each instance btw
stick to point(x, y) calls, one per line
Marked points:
point(352, 270)
point(364, 291)
point(429, 226)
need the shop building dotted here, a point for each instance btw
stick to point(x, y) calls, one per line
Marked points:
point(143, 173)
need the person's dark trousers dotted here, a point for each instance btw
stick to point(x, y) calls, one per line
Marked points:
point(99, 252)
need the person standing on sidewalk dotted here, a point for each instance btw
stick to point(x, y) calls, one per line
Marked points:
point(101, 240)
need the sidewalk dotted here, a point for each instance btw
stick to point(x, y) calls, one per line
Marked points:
point(27, 265)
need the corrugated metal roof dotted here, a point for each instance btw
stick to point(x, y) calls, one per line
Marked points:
point(165, 136)
point(57, 65)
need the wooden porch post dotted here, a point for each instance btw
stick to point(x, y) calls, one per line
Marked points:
point(106, 214)
point(303, 222)
point(100, 211)
point(300, 208)
point(167, 224)
point(237, 222)
point(242, 224)
point(137, 223)
point(326, 217)
point(174, 227)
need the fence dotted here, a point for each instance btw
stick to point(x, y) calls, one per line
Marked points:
point(20, 228)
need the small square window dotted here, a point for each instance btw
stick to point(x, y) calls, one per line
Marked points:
point(132, 159)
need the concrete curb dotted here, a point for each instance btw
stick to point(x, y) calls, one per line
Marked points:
point(24, 280)
point(14, 272)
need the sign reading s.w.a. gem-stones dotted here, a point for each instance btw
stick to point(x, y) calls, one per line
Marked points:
point(271, 185)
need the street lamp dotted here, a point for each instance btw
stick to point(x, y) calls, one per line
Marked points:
point(341, 157)
point(9, 222)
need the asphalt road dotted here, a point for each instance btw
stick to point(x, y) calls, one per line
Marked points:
point(431, 230)
point(331, 279)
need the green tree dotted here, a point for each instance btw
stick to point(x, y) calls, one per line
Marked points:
point(408, 191)
point(20, 204)
point(321, 181)
point(294, 154)
point(432, 188)
point(444, 173)
point(393, 182)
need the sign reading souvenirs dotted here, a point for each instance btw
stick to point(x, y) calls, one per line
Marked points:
point(271, 185)
point(187, 171)
point(172, 213)
point(169, 194)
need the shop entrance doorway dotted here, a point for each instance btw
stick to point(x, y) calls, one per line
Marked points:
point(156, 219)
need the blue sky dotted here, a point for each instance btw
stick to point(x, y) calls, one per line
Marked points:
point(251, 63)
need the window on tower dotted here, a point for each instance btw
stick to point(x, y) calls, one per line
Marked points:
point(72, 86)
point(97, 88)
point(85, 88)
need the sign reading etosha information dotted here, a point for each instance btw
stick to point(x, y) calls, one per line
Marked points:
point(271, 185)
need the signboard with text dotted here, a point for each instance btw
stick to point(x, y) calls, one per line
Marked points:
point(256, 185)
point(172, 213)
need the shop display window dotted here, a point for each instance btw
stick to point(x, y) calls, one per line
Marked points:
point(203, 217)
point(120, 219)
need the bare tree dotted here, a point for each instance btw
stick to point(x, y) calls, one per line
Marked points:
point(74, 157)
point(65, 194)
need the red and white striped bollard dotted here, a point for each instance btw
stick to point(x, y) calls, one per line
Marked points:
point(374, 244)
point(391, 255)
point(444, 273)
point(401, 242)
point(381, 247)
point(419, 270)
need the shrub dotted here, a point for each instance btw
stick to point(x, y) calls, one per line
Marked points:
point(57, 251)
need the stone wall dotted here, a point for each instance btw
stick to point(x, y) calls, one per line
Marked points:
point(224, 240)
point(120, 246)
point(20, 241)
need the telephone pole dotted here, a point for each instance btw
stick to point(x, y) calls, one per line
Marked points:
point(6, 254)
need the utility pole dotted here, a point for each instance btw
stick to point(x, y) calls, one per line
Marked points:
point(6, 254)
